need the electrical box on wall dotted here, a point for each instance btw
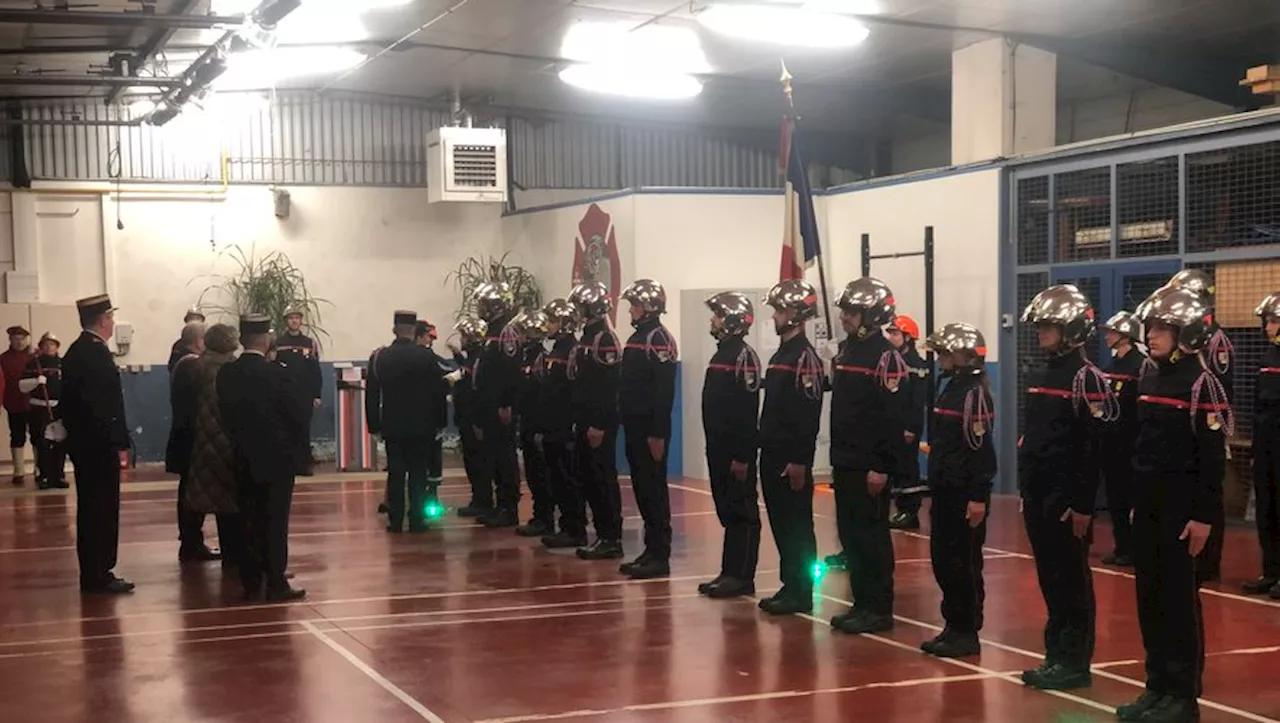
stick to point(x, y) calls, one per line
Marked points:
point(467, 165)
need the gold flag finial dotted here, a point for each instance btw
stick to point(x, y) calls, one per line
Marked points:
point(786, 83)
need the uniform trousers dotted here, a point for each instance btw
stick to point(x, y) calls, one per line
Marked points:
point(1168, 602)
point(737, 509)
point(559, 454)
point(1066, 582)
point(649, 482)
point(955, 549)
point(264, 508)
point(863, 525)
point(791, 521)
point(97, 470)
point(535, 477)
point(597, 473)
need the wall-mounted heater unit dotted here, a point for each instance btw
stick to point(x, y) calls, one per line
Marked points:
point(467, 165)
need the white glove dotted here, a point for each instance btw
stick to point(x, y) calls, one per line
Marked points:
point(41, 380)
point(454, 377)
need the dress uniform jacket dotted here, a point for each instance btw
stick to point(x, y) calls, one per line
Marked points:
point(265, 415)
point(403, 391)
point(92, 397)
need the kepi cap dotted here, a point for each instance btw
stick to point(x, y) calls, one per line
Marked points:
point(406, 318)
point(93, 306)
point(17, 331)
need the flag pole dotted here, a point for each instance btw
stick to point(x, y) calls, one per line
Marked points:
point(822, 271)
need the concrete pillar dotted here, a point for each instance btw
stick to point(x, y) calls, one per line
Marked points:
point(1003, 100)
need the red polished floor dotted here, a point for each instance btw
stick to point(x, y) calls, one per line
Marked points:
point(467, 624)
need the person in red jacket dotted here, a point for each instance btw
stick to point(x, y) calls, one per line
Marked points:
point(14, 364)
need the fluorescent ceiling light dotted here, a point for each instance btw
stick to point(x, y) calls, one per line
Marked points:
point(266, 68)
point(658, 47)
point(633, 82)
point(801, 26)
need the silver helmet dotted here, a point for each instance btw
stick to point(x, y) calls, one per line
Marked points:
point(533, 326)
point(1269, 306)
point(592, 300)
point(735, 312)
point(794, 295)
point(1064, 305)
point(564, 313)
point(494, 300)
point(959, 337)
point(1124, 323)
point(1189, 311)
point(1193, 280)
point(648, 295)
point(872, 297)
point(471, 329)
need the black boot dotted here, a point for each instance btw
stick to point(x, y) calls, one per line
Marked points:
point(861, 622)
point(1172, 709)
point(475, 508)
point(1135, 710)
point(198, 554)
point(905, 521)
point(500, 518)
point(838, 561)
point(957, 645)
point(1058, 677)
point(788, 602)
point(285, 592)
point(729, 587)
point(563, 540)
point(626, 567)
point(601, 550)
point(1118, 559)
point(1261, 586)
point(535, 528)
point(650, 569)
point(705, 587)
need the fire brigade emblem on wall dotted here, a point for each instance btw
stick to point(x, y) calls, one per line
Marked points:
point(595, 254)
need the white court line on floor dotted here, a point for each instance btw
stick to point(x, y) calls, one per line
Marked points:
point(339, 619)
point(1101, 673)
point(729, 699)
point(312, 602)
point(395, 690)
point(1218, 654)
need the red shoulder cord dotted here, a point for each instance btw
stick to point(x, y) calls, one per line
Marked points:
point(809, 365)
point(891, 366)
point(747, 368)
point(1221, 352)
point(669, 346)
point(976, 411)
point(1209, 383)
point(1090, 390)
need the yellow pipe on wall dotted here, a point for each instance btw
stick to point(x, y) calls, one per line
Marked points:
point(218, 193)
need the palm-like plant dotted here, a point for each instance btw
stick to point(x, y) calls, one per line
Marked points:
point(480, 269)
point(269, 284)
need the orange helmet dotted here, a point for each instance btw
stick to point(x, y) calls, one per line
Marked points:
point(906, 325)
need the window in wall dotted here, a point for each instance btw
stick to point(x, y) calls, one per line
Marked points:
point(1233, 197)
point(1028, 348)
point(1083, 207)
point(1137, 287)
point(1033, 220)
point(1147, 208)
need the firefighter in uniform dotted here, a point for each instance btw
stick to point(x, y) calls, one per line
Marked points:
point(1179, 461)
point(867, 448)
point(401, 393)
point(1067, 401)
point(534, 327)
point(425, 336)
point(93, 413)
point(789, 422)
point(1266, 452)
point(42, 382)
point(593, 369)
point(730, 408)
point(962, 464)
point(495, 383)
point(471, 335)
point(1218, 356)
point(265, 415)
point(1123, 332)
point(907, 487)
point(555, 397)
point(300, 356)
point(646, 395)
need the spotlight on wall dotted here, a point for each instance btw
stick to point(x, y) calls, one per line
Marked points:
point(810, 25)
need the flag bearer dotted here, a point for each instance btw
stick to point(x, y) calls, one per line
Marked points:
point(1266, 452)
point(730, 407)
point(1067, 401)
point(962, 463)
point(1123, 332)
point(866, 449)
point(1179, 460)
point(789, 422)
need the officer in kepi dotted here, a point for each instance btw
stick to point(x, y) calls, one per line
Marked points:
point(495, 388)
point(93, 413)
point(646, 395)
point(789, 422)
point(1179, 461)
point(401, 393)
point(265, 416)
point(1123, 333)
point(1266, 452)
point(730, 410)
point(593, 368)
point(1068, 401)
point(300, 355)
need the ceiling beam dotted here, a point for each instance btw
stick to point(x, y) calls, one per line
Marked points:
point(1214, 79)
point(154, 43)
point(123, 19)
point(65, 81)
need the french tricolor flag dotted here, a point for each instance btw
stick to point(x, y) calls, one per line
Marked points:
point(800, 245)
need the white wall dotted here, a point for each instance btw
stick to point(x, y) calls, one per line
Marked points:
point(368, 251)
point(964, 210)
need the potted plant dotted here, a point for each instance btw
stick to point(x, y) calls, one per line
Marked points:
point(480, 269)
point(269, 284)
